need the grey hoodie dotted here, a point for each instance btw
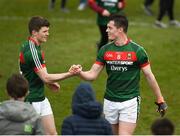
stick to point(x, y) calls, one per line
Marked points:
point(19, 118)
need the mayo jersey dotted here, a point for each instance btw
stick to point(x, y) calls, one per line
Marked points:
point(123, 65)
point(31, 59)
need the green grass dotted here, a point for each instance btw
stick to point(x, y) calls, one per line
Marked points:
point(72, 41)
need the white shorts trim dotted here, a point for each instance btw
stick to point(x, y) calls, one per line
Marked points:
point(126, 111)
point(43, 108)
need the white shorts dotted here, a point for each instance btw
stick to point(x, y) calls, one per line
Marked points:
point(43, 108)
point(126, 111)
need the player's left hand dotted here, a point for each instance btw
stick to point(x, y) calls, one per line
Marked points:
point(162, 107)
point(54, 86)
point(75, 69)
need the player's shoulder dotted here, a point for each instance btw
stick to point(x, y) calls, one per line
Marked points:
point(135, 45)
point(24, 44)
point(108, 45)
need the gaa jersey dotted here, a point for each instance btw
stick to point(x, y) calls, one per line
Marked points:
point(31, 59)
point(123, 64)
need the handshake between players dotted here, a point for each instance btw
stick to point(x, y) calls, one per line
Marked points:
point(75, 69)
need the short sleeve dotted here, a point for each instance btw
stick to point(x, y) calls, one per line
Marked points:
point(35, 58)
point(142, 56)
point(100, 57)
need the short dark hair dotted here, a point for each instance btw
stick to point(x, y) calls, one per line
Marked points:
point(162, 127)
point(36, 23)
point(17, 86)
point(120, 21)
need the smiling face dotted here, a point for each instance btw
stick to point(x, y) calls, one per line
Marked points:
point(113, 31)
point(41, 35)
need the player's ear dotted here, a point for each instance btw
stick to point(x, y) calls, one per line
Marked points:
point(120, 29)
point(34, 32)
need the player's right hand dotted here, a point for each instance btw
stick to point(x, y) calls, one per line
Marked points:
point(75, 69)
point(162, 107)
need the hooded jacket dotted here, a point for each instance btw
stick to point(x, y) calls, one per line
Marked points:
point(87, 115)
point(19, 118)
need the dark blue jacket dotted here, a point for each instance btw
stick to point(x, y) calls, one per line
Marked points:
point(87, 115)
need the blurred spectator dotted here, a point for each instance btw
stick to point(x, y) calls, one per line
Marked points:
point(166, 6)
point(16, 116)
point(104, 9)
point(147, 7)
point(87, 115)
point(162, 126)
point(63, 5)
point(82, 5)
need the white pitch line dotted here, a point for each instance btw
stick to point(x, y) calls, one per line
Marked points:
point(73, 21)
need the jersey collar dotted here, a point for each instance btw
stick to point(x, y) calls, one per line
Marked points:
point(126, 43)
point(32, 40)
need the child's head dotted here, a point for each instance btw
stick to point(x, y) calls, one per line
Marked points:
point(17, 86)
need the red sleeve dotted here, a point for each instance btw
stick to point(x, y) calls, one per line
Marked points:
point(99, 63)
point(36, 69)
point(95, 7)
point(145, 64)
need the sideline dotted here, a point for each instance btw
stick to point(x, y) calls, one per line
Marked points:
point(72, 21)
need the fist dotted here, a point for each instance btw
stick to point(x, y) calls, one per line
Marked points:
point(54, 87)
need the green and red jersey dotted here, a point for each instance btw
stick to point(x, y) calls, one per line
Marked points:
point(123, 65)
point(31, 60)
point(100, 5)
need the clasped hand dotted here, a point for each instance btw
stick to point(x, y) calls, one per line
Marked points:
point(75, 69)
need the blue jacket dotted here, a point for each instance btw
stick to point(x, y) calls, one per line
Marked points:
point(87, 115)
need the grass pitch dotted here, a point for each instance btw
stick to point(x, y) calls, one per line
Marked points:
point(73, 40)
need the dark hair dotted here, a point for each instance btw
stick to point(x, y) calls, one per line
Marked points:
point(17, 86)
point(120, 21)
point(36, 23)
point(162, 127)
